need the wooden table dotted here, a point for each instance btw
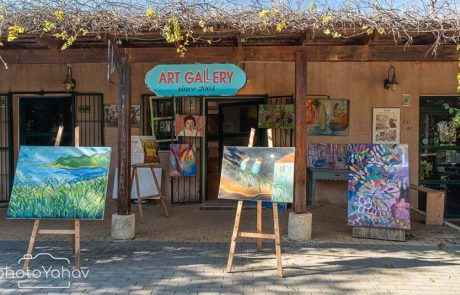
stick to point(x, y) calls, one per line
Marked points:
point(315, 174)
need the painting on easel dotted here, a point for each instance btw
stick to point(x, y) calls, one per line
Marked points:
point(257, 173)
point(60, 182)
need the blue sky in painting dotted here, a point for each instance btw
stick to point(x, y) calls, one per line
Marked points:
point(38, 155)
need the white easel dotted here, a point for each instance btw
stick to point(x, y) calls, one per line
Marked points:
point(74, 230)
point(259, 235)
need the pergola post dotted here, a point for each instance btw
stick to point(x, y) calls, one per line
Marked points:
point(124, 136)
point(123, 223)
point(300, 221)
point(300, 177)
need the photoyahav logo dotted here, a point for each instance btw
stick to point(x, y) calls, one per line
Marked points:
point(44, 277)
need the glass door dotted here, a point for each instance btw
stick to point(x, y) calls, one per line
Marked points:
point(439, 162)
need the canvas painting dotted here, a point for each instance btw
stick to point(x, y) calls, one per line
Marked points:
point(327, 155)
point(385, 125)
point(144, 149)
point(276, 116)
point(257, 173)
point(328, 116)
point(60, 182)
point(378, 185)
point(111, 115)
point(188, 125)
point(182, 160)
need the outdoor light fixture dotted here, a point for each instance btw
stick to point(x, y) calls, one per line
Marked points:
point(69, 83)
point(390, 84)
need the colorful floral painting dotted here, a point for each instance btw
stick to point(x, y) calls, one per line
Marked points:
point(327, 155)
point(328, 116)
point(277, 116)
point(378, 185)
point(182, 160)
point(60, 182)
point(257, 173)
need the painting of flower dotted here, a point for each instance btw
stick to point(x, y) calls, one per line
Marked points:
point(276, 116)
point(378, 185)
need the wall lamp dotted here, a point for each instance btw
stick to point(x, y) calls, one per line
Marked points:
point(69, 83)
point(391, 84)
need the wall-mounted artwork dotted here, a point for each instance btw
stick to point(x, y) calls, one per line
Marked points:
point(385, 125)
point(188, 125)
point(144, 149)
point(378, 185)
point(60, 182)
point(327, 155)
point(111, 115)
point(328, 116)
point(182, 160)
point(257, 173)
point(276, 116)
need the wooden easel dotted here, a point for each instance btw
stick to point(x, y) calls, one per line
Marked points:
point(135, 177)
point(259, 235)
point(74, 230)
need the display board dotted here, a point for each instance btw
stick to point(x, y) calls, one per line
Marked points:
point(146, 183)
point(257, 173)
point(378, 186)
point(60, 182)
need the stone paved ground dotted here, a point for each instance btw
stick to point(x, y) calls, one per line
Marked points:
point(149, 267)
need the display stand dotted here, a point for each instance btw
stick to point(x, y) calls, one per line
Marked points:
point(259, 235)
point(74, 230)
point(140, 200)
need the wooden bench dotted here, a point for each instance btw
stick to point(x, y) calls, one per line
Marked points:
point(434, 204)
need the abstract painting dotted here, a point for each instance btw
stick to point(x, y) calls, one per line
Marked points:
point(276, 116)
point(189, 125)
point(257, 173)
point(327, 155)
point(378, 185)
point(60, 182)
point(182, 159)
point(328, 116)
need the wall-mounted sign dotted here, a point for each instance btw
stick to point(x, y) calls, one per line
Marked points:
point(195, 79)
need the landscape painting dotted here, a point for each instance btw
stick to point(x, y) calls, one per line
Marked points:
point(327, 155)
point(182, 160)
point(257, 173)
point(276, 116)
point(328, 117)
point(60, 182)
point(378, 186)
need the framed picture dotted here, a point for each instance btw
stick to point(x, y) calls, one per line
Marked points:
point(328, 117)
point(386, 124)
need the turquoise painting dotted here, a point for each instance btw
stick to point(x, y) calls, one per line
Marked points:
point(60, 182)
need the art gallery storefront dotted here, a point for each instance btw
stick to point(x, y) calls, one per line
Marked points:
point(229, 118)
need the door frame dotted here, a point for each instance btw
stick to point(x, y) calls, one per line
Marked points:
point(41, 99)
point(236, 100)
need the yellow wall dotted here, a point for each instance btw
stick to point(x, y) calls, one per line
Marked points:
point(361, 82)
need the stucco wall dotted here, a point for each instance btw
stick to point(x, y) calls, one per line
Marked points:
point(361, 82)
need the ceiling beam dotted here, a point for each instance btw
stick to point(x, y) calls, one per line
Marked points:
point(346, 53)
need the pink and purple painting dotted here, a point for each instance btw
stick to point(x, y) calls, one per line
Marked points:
point(182, 160)
point(378, 185)
point(327, 155)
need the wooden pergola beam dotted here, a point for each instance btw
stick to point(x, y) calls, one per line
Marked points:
point(234, 54)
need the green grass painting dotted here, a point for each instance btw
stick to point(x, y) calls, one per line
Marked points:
point(60, 182)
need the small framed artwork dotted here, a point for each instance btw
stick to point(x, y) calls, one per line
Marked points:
point(386, 125)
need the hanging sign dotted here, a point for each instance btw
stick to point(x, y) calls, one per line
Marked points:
point(195, 79)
